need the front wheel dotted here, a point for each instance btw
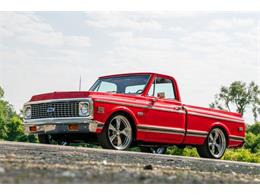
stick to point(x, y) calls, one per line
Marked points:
point(154, 150)
point(214, 146)
point(117, 133)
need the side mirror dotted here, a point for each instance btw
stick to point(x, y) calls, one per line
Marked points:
point(161, 95)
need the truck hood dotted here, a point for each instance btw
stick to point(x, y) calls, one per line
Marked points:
point(61, 95)
point(79, 94)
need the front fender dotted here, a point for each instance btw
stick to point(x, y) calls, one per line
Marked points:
point(123, 109)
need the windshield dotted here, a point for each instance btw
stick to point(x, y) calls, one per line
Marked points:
point(133, 84)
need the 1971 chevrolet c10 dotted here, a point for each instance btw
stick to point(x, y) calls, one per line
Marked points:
point(137, 109)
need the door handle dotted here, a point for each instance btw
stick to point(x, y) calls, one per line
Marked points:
point(153, 100)
point(177, 108)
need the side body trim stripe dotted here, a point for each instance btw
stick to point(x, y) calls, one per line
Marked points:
point(160, 131)
point(215, 117)
point(170, 110)
point(169, 130)
point(160, 128)
point(140, 106)
point(236, 138)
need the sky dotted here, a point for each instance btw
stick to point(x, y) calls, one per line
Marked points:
point(49, 51)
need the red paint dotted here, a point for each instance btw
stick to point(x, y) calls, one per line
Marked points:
point(160, 113)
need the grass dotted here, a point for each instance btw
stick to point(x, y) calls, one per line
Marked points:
point(240, 154)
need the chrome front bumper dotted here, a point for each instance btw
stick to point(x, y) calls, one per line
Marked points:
point(60, 125)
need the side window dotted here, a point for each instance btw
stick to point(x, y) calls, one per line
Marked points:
point(162, 85)
point(107, 87)
point(135, 89)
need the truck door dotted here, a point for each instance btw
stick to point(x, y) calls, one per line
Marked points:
point(164, 116)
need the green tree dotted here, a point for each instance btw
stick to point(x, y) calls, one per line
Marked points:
point(239, 96)
point(11, 126)
point(6, 113)
point(1, 92)
point(254, 128)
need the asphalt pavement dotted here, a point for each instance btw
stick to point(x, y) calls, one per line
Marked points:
point(39, 163)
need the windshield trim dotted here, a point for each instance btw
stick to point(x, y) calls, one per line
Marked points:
point(117, 76)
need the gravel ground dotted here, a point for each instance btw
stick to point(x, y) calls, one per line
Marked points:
point(37, 163)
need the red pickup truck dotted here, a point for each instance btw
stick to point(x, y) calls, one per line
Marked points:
point(137, 109)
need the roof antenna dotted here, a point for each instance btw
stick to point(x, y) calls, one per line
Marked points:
point(80, 83)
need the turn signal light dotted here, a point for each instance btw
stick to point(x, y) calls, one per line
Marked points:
point(73, 127)
point(33, 128)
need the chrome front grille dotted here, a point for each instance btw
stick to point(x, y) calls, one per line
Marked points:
point(55, 110)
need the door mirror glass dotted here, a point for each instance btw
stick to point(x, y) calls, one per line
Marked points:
point(161, 95)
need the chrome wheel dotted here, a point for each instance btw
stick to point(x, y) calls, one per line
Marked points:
point(120, 132)
point(217, 142)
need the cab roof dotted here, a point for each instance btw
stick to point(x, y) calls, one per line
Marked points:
point(134, 73)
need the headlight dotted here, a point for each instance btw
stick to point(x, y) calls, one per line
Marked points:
point(84, 109)
point(27, 112)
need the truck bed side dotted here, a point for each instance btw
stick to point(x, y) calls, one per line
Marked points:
point(201, 120)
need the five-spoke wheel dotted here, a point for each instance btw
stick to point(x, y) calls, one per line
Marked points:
point(117, 134)
point(214, 146)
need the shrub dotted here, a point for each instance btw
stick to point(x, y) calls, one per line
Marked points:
point(252, 142)
point(241, 154)
point(187, 151)
point(254, 128)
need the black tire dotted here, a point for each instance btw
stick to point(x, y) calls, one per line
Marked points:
point(154, 150)
point(105, 136)
point(43, 139)
point(205, 150)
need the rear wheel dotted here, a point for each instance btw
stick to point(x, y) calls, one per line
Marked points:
point(214, 146)
point(117, 133)
point(154, 150)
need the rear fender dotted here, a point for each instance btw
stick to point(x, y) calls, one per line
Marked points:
point(221, 125)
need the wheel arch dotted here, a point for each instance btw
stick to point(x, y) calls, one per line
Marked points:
point(128, 113)
point(223, 127)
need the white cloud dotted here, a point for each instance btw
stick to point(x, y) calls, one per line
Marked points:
point(122, 20)
point(129, 40)
point(204, 38)
point(177, 29)
point(232, 23)
point(27, 28)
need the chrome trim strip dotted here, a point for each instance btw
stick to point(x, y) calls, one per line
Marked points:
point(212, 113)
point(167, 110)
point(235, 136)
point(120, 103)
point(196, 135)
point(191, 131)
point(170, 130)
point(140, 106)
point(57, 100)
point(236, 140)
point(215, 117)
point(160, 128)
point(65, 120)
point(158, 131)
